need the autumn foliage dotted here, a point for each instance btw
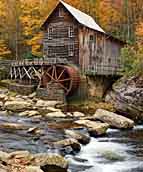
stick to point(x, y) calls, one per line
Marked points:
point(21, 20)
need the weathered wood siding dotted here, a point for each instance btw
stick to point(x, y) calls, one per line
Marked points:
point(61, 36)
point(98, 52)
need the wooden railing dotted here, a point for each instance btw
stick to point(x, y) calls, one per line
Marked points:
point(104, 70)
point(42, 61)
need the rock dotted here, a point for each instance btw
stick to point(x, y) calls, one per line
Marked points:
point(3, 168)
point(4, 156)
point(1, 105)
point(127, 97)
point(4, 91)
point(50, 162)
point(78, 114)
point(51, 109)
point(82, 138)
point(45, 110)
point(15, 126)
point(113, 119)
point(3, 113)
point(34, 130)
point(3, 97)
point(32, 169)
point(112, 156)
point(31, 96)
point(19, 154)
point(94, 128)
point(17, 106)
point(73, 143)
point(20, 158)
point(42, 103)
point(55, 115)
point(29, 113)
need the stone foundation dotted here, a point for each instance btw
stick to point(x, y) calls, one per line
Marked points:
point(98, 85)
point(81, 94)
point(22, 89)
point(52, 92)
point(4, 69)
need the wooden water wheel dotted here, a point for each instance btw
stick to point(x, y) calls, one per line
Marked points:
point(66, 76)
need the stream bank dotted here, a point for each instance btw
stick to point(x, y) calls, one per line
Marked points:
point(31, 124)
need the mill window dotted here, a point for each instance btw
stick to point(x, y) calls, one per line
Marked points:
point(71, 31)
point(61, 12)
point(50, 32)
point(71, 50)
point(91, 38)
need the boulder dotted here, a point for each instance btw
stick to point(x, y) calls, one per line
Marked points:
point(17, 106)
point(73, 143)
point(1, 105)
point(94, 128)
point(3, 97)
point(42, 103)
point(29, 113)
point(3, 113)
point(14, 126)
point(3, 168)
point(113, 119)
point(50, 162)
point(19, 154)
point(127, 97)
point(78, 114)
point(34, 130)
point(45, 110)
point(55, 115)
point(3, 91)
point(31, 96)
point(32, 169)
point(3, 156)
point(82, 138)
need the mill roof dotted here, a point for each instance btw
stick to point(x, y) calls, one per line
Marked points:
point(81, 17)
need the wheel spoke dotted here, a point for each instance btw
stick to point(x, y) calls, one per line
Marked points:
point(67, 79)
point(63, 87)
point(53, 71)
point(49, 69)
point(50, 76)
point(61, 74)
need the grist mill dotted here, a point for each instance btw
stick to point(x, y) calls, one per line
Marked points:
point(78, 57)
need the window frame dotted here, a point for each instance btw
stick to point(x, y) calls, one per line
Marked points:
point(71, 50)
point(71, 31)
point(50, 32)
point(61, 12)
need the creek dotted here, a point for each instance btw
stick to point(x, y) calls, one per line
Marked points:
point(118, 151)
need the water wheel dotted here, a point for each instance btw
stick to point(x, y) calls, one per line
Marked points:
point(66, 76)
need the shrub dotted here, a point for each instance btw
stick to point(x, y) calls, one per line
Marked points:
point(132, 58)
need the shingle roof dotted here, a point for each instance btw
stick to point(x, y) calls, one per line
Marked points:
point(83, 18)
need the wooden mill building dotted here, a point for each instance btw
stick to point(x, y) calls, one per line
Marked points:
point(77, 53)
point(73, 35)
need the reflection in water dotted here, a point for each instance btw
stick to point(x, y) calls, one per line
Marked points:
point(118, 151)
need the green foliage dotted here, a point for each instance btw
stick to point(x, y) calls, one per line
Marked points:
point(132, 58)
point(128, 57)
point(30, 56)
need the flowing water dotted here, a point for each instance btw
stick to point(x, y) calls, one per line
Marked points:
point(118, 151)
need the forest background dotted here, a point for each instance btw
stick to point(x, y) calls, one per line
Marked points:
point(20, 21)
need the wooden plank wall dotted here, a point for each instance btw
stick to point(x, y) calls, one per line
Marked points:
point(99, 51)
point(58, 45)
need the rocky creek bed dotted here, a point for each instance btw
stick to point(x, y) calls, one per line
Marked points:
point(46, 138)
